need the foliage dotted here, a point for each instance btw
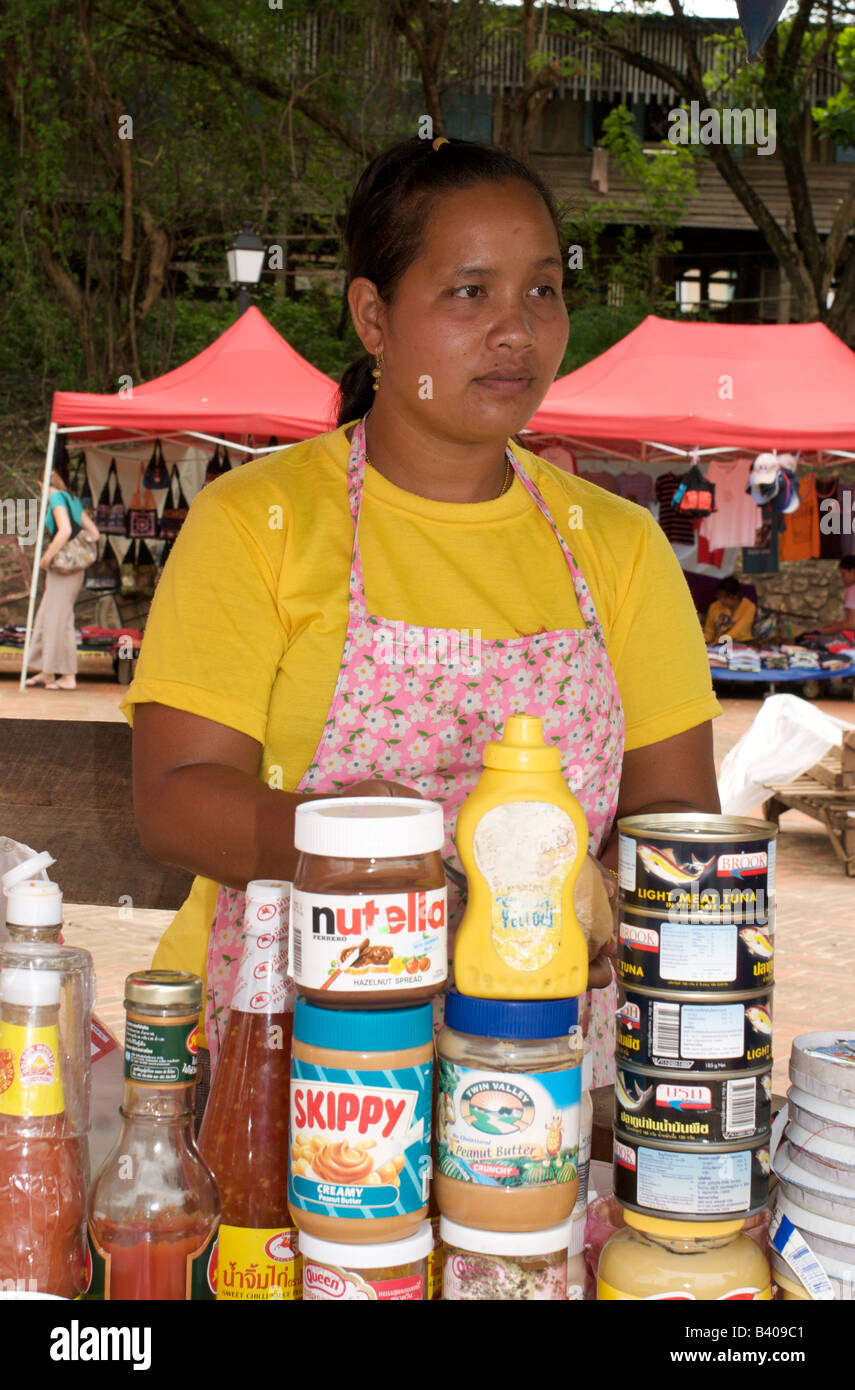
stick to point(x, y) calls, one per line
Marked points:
point(836, 119)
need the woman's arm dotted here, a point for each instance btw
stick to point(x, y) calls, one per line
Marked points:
point(88, 525)
point(676, 774)
point(200, 805)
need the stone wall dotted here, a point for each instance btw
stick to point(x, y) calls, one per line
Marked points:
point(809, 589)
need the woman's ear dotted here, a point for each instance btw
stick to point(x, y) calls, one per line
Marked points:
point(367, 311)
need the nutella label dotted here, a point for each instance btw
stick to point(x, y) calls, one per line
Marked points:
point(360, 1140)
point(364, 944)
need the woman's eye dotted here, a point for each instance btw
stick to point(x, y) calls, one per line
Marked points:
point(549, 290)
point(467, 287)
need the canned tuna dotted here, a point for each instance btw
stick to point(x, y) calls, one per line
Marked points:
point(720, 865)
point(693, 1183)
point(667, 951)
point(696, 1032)
point(717, 1109)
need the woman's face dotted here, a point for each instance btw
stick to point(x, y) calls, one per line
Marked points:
point(483, 298)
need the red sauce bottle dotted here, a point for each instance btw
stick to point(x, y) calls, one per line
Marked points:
point(154, 1209)
point(244, 1134)
point(44, 1158)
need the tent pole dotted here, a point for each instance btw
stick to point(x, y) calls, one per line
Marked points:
point(34, 582)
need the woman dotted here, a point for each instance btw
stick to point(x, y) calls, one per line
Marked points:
point(265, 675)
point(730, 615)
point(53, 645)
point(846, 569)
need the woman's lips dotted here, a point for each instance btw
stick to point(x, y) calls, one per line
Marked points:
point(505, 386)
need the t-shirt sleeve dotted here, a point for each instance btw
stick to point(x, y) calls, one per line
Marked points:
point(215, 635)
point(657, 646)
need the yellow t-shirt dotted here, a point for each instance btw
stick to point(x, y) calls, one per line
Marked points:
point(248, 621)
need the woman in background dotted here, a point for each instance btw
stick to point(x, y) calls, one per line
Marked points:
point(53, 645)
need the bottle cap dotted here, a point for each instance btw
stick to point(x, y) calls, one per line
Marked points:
point(267, 907)
point(29, 869)
point(369, 827)
point(164, 987)
point(386, 1253)
point(347, 1030)
point(676, 1230)
point(522, 747)
point(33, 988)
point(504, 1018)
point(34, 903)
point(510, 1243)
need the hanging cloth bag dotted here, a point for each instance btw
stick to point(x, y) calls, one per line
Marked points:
point(138, 571)
point(110, 516)
point(142, 513)
point(695, 496)
point(218, 464)
point(175, 508)
point(80, 482)
point(156, 475)
point(103, 577)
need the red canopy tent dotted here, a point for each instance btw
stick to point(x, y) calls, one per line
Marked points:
point(787, 386)
point(248, 382)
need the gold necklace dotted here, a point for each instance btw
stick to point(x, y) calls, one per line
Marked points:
point(505, 484)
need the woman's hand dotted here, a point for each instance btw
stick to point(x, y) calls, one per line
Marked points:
point(376, 786)
point(44, 562)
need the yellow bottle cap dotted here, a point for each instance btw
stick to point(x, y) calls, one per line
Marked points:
point(522, 747)
point(657, 1226)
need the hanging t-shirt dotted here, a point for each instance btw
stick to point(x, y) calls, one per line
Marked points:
point(602, 479)
point(636, 487)
point(737, 516)
point(679, 529)
point(830, 518)
point(762, 556)
point(800, 540)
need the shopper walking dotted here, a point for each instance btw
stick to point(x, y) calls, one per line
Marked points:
point(53, 648)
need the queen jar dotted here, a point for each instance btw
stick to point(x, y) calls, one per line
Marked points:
point(369, 911)
point(361, 1087)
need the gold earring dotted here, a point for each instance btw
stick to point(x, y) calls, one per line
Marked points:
point(377, 372)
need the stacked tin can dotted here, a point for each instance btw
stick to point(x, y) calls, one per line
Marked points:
point(693, 1086)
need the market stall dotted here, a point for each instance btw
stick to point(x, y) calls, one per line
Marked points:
point(738, 439)
point(147, 449)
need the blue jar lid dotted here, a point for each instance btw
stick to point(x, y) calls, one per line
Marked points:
point(356, 1030)
point(510, 1018)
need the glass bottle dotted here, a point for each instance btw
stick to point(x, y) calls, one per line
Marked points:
point(154, 1208)
point(244, 1134)
point(34, 915)
point(44, 1161)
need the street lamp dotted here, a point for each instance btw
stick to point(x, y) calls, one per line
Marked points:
point(246, 262)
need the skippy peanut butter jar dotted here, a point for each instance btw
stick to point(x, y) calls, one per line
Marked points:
point(361, 1088)
point(369, 909)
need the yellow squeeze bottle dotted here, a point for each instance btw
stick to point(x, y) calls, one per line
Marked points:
point(521, 836)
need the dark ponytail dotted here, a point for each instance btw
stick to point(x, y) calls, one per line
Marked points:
point(387, 217)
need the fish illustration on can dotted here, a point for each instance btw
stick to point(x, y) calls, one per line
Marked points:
point(760, 1019)
point(624, 1094)
point(757, 943)
point(662, 863)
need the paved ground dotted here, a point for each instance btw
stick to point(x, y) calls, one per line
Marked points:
point(815, 962)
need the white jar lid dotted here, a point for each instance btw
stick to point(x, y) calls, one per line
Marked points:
point(34, 903)
point(30, 867)
point(369, 827)
point(389, 1252)
point(32, 988)
point(511, 1244)
point(824, 1065)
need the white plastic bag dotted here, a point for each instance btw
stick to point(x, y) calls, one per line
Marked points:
point(789, 735)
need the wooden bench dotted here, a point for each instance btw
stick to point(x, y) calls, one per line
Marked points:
point(826, 793)
point(65, 787)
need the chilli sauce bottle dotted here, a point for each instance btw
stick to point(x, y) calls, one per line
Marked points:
point(153, 1208)
point(45, 999)
point(244, 1134)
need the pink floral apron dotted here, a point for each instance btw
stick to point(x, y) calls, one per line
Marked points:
point(424, 723)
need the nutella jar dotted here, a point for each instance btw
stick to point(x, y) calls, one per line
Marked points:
point(368, 908)
point(360, 1122)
